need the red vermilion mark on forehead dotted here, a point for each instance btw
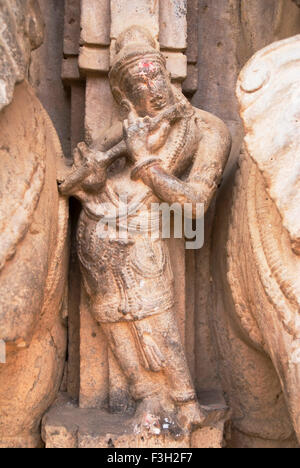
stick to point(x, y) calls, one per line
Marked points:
point(146, 66)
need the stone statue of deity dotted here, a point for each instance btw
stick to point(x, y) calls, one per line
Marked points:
point(164, 151)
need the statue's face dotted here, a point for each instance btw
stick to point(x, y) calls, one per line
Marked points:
point(147, 86)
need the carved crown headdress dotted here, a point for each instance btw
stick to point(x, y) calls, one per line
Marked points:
point(132, 45)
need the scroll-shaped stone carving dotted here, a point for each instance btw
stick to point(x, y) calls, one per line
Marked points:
point(21, 30)
point(257, 315)
point(165, 150)
point(33, 253)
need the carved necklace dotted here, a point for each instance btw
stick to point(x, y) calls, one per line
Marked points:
point(183, 140)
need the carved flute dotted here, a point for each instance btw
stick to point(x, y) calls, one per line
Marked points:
point(112, 146)
point(84, 171)
point(115, 134)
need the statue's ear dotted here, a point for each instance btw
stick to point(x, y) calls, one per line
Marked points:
point(117, 95)
point(268, 91)
point(125, 105)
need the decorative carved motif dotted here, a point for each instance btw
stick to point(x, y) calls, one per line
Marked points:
point(21, 30)
point(33, 269)
point(165, 150)
point(33, 233)
point(264, 288)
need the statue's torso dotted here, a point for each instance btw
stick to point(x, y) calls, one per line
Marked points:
point(128, 273)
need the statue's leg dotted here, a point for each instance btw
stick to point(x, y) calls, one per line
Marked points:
point(149, 388)
point(143, 384)
point(151, 355)
point(164, 331)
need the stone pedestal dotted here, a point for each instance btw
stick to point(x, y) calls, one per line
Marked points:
point(67, 426)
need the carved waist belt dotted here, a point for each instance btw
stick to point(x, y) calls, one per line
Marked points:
point(126, 280)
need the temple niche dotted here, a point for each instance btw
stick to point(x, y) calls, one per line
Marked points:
point(132, 341)
point(121, 369)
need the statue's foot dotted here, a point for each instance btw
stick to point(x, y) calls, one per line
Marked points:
point(156, 415)
point(191, 416)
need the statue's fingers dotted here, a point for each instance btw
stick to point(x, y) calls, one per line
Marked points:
point(125, 126)
point(141, 124)
point(82, 147)
point(131, 131)
point(77, 158)
point(132, 117)
point(147, 122)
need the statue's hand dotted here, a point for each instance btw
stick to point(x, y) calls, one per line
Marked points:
point(88, 157)
point(159, 136)
point(88, 162)
point(136, 134)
